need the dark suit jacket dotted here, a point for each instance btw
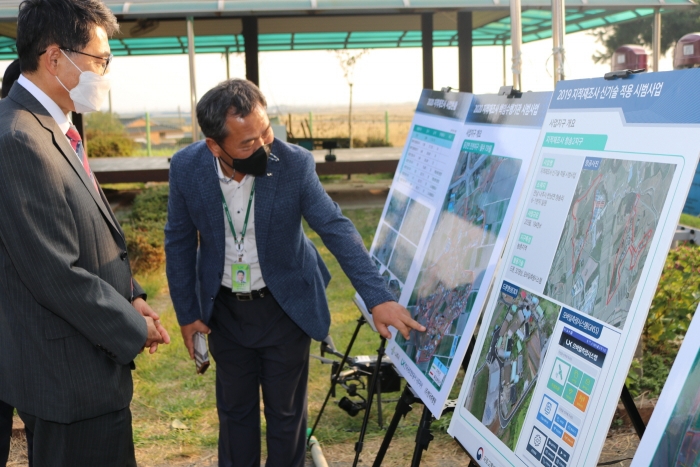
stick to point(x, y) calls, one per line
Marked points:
point(291, 266)
point(68, 333)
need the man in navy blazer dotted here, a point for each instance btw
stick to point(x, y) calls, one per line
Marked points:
point(236, 202)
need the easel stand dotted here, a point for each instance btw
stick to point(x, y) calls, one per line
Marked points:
point(373, 387)
point(631, 409)
point(373, 384)
point(423, 435)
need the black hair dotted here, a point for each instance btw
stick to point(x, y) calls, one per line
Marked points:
point(234, 97)
point(68, 23)
point(11, 75)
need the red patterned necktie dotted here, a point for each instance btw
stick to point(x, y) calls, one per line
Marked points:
point(77, 143)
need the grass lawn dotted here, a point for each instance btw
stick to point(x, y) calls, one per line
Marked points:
point(690, 221)
point(480, 391)
point(167, 388)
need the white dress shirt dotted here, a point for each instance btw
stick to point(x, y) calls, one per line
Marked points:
point(54, 110)
point(237, 195)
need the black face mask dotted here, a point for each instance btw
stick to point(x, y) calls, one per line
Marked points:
point(255, 164)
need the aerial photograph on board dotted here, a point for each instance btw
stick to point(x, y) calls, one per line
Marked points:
point(397, 239)
point(607, 235)
point(457, 256)
point(510, 361)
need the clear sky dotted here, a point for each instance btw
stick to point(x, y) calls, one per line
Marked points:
point(313, 79)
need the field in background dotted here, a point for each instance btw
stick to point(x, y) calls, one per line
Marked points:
point(368, 124)
point(171, 131)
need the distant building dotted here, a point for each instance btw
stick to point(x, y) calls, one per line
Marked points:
point(160, 133)
point(514, 378)
point(540, 311)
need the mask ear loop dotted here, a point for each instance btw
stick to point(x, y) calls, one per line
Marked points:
point(72, 63)
point(227, 164)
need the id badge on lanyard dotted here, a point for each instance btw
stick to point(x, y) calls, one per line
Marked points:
point(240, 271)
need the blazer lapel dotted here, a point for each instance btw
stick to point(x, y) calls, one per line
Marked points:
point(211, 199)
point(25, 98)
point(265, 189)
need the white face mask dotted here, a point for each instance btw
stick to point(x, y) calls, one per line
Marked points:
point(90, 92)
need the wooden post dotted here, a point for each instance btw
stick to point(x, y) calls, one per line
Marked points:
point(426, 20)
point(464, 51)
point(250, 37)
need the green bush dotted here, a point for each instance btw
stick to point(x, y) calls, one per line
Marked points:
point(671, 310)
point(144, 229)
point(110, 145)
point(151, 205)
point(106, 136)
point(676, 297)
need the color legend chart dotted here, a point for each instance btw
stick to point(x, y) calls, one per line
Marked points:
point(426, 160)
point(564, 404)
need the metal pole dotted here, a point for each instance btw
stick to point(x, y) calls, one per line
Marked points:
point(193, 86)
point(148, 135)
point(516, 40)
point(311, 125)
point(558, 28)
point(656, 38)
point(503, 47)
point(228, 65)
point(110, 101)
point(350, 118)
point(386, 127)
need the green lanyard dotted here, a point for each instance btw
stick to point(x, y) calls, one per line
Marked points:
point(239, 245)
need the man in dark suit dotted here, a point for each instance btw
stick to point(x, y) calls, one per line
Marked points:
point(72, 319)
point(7, 411)
point(236, 202)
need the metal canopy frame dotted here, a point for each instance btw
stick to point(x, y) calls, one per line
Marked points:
point(536, 25)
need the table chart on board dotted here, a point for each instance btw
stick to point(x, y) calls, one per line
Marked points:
point(426, 158)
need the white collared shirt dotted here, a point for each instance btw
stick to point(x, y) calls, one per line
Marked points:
point(237, 195)
point(54, 110)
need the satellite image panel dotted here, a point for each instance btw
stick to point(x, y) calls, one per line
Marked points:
point(457, 256)
point(510, 360)
point(607, 235)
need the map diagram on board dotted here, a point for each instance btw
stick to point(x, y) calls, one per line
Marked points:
point(606, 237)
point(510, 361)
point(457, 257)
point(398, 238)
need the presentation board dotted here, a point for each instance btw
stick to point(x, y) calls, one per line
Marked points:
point(445, 222)
point(611, 172)
point(672, 436)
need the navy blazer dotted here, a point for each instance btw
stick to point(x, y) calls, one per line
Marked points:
point(291, 266)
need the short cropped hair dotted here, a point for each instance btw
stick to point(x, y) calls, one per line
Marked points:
point(234, 97)
point(68, 23)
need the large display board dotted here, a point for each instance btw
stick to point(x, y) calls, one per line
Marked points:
point(672, 437)
point(445, 223)
point(611, 172)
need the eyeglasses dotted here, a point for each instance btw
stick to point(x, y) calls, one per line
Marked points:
point(107, 60)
